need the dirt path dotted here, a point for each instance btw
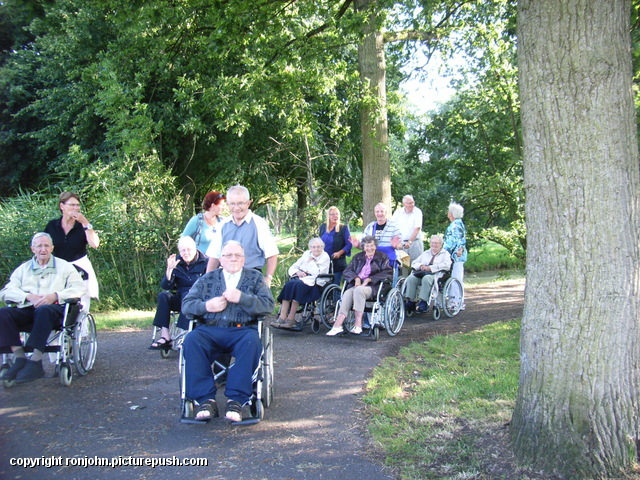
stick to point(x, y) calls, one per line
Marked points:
point(128, 406)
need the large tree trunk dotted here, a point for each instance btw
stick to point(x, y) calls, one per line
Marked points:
point(376, 166)
point(577, 404)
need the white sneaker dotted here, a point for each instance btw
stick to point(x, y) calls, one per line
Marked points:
point(356, 330)
point(334, 331)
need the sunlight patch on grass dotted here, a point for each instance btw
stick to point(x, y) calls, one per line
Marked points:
point(424, 403)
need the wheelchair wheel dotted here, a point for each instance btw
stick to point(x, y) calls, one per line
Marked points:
point(328, 303)
point(85, 344)
point(66, 374)
point(436, 312)
point(267, 368)
point(452, 297)
point(402, 286)
point(165, 352)
point(394, 312)
point(375, 332)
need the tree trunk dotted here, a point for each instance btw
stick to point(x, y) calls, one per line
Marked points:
point(376, 166)
point(577, 407)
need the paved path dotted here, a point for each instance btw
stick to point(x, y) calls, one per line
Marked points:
point(129, 406)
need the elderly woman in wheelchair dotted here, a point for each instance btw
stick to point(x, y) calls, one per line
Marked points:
point(363, 276)
point(305, 285)
point(227, 301)
point(427, 268)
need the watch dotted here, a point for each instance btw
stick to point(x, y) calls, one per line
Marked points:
point(88, 227)
point(270, 277)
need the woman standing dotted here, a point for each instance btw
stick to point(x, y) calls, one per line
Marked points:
point(337, 244)
point(71, 233)
point(455, 241)
point(205, 226)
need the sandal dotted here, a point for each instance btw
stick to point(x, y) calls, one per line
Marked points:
point(158, 345)
point(207, 411)
point(233, 412)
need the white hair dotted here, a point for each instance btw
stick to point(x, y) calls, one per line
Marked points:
point(186, 241)
point(38, 235)
point(456, 210)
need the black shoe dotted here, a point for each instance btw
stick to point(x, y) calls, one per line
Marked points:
point(12, 372)
point(32, 371)
point(409, 305)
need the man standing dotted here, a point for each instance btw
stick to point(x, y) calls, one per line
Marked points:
point(39, 287)
point(251, 231)
point(409, 220)
point(227, 300)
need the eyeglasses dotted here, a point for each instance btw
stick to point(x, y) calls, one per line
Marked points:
point(233, 255)
point(219, 196)
point(237, 204)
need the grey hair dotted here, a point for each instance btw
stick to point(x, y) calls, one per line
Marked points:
point(437, 237)
point(239, 189)
point(369, 239)
point(456, 210)
point(232, 242)
point(187, 241)
point(315, 240)
point(38, 235)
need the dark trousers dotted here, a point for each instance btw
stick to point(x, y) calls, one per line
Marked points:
point(204, 345)
point(169, 302)
point(39, 321)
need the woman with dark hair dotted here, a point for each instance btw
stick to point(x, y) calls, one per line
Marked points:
point(337, 243)
point(363, 275)
point(71, 233)
point(205, 226)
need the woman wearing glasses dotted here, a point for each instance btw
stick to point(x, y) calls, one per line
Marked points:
point(71, 233)
point(205, 226)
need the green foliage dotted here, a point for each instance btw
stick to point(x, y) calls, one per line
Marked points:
point(428, 404)
point(470, 150)
point(137, 210)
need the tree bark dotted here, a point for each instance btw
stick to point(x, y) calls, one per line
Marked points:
point(376, 165)
point(577, 407)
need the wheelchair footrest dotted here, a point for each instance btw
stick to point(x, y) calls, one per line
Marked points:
point(193, 421)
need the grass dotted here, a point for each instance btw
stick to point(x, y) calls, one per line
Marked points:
point(427, 404)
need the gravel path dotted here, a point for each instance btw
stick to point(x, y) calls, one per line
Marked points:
point(128, 406)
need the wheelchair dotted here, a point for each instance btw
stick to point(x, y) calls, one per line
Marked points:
point(177, 335)
point(263, 382)
point(324, 307)
point(384, 311)
point(74, 344)
point(447, 295)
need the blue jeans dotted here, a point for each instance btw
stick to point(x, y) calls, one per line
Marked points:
point(205, 344)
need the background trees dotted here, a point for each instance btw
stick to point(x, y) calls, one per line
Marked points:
point(577, 406)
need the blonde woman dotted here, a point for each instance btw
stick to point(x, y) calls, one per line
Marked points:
point(337, 243)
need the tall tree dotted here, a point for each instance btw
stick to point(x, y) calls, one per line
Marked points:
point(577, 405)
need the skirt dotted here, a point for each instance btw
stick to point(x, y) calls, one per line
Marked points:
point(296, 289)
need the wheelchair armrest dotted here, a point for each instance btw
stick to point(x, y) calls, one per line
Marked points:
point(72, 301)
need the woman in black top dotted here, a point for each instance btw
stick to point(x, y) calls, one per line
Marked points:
point(71, 233)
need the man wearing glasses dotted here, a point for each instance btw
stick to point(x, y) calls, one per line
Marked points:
point(227, 301)
point(251, 231)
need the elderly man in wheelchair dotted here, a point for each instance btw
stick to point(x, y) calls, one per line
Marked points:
point(39, 288)
point(227, 301)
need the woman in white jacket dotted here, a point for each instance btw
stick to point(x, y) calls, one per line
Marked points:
point(302, 287)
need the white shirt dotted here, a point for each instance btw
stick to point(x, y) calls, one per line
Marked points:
point(407, 222)
point(231, 279)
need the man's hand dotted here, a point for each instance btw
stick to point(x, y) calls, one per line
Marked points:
point(216, 304)
point(39, 300)
point(232, 295)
